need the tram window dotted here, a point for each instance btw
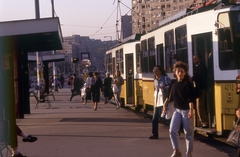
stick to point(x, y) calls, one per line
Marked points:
point(119, 60)
point(151, 49)
point(169, 50)
point(160, 56)
point(109, 63)
point(144, 56)
point(226, 53)
point(181, 45)
point(138, 59)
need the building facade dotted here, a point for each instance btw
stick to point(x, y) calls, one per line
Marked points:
point(146, 14)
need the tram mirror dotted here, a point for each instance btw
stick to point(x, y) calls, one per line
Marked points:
point(238, 84)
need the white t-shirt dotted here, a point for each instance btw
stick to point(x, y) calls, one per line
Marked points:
point(158, 98)
point(88, 82)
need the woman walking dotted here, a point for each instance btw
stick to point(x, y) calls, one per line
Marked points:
point(96, 88)
point(161, 85)
point(88, 86)
point(184, 99)
point(118, 80)
point(107, 87)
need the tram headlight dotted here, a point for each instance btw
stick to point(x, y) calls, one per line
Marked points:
point(238, 84)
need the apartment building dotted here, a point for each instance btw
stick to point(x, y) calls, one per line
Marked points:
point(146, 14)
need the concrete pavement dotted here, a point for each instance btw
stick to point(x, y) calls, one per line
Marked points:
point(74, 129)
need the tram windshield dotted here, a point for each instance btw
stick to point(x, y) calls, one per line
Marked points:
point(229, 39)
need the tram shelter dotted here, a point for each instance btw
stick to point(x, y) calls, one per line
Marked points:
point(47, 59)
point(17, 38)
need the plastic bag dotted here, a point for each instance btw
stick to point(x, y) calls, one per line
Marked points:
point(170, 110)
point(115, 89)
point(234, 136)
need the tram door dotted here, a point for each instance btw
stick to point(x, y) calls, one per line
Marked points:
point(129, 80)
point(202, 44)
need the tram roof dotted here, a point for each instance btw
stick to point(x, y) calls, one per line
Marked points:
point(132, 38)
point(185, 13)
point(33, 35)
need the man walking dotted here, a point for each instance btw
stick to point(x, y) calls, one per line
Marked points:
point(200, 79)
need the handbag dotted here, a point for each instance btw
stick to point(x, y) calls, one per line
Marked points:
point(88, 90)
point(234, 136)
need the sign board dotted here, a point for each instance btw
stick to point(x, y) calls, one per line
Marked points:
point(85, 55)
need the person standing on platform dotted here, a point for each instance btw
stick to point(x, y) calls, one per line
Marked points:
point(88, 89)
point(200, 78)
point(107, 87)
point(161, 85)
point(96, 88)
point(77, 85)
point(184, 98)
point(118, 80)
point(62, 80)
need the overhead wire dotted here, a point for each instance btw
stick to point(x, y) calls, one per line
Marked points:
point(103, 26)
point(104, 22)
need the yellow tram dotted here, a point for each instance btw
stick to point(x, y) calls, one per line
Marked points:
point(213, 32)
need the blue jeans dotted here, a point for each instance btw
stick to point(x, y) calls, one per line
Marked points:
point(181, 116)
point(156, 115)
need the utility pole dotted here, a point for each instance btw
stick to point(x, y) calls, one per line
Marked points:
point(53, 52)
point(38, 62)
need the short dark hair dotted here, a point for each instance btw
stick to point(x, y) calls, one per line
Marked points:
point(161, 69)
point(90, 74)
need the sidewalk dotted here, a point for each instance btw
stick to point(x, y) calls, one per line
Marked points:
point(74, 129)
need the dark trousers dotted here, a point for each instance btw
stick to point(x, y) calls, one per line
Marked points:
point(74, 93)
point(18, 133)
point(156, 115)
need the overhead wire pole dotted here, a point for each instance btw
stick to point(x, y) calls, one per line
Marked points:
point(117, 21)
point(53, 52)
point(37, 13)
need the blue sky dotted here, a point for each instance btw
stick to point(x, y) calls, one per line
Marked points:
point(82, 17)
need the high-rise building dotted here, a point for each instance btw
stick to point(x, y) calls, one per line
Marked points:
point(146, 14)
point(126, 26)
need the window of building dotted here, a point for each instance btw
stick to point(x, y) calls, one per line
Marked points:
point(109, 63)
point(119, 60)
point(169, 50)
point(181, 44)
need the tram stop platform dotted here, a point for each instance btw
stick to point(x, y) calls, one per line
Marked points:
point(74, 129)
